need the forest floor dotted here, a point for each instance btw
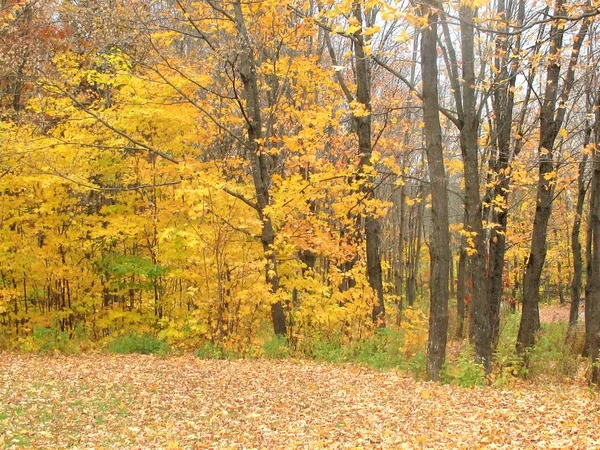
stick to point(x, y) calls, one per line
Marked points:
point(557, 313)
point(145, 402)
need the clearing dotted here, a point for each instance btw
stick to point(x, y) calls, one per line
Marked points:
point(103, 401)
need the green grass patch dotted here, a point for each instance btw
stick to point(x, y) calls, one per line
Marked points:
point(145, 344)
point(52, 339)
point(557, 351)
point(276, 348)
point(465, 372)
point(213, 351)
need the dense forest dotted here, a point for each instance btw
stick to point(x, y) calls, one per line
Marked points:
point(222, 172)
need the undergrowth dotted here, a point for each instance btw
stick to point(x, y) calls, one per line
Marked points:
point(556, 355)
point(145, 344)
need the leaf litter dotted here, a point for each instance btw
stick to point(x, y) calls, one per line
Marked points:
point(145, 402)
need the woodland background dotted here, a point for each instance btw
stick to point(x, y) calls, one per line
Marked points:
point(300, 176)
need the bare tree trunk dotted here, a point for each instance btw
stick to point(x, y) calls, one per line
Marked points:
point(593, 296)
point(469, 135)
point(414, 244)
point(551, 119)
point(461, 291)
point(399, 266)
point(440, 236)
point(575, 244)
point(503, 96)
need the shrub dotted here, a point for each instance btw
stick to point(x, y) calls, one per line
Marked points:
point(554, 354)
point(52, 339)
point(465, 372)
point(276, 348)
point(327, 350)
point(382, 351)
point(212, 351)
point(145, 344)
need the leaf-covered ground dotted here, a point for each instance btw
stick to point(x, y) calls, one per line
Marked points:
point(100, 401)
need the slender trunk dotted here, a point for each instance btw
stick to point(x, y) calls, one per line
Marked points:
point(261, 172)
point(363, 130)
point(440, 236)
point(399, 266)
point(461, 291)
point(503, 95)
point(551, 119)
point(594, 265)
point(575, 244)
point(469, 135)
point(561, 294)
point(452, 292)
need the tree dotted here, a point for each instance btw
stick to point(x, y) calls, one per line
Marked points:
point(440, 240)
point(552, 115)
point(593, 272)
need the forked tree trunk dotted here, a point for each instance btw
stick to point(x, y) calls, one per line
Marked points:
point(552, 115)
point(503, 102)
point(469, 135)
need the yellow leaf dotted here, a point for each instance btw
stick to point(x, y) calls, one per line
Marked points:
point(371, 30)
point(403, 36)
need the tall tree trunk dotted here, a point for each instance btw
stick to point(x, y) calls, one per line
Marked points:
point(261, 166)
point(551, 119)
point(363, 130)
point(593, 296)
point(440, 236)
point(503, 95)
point(362, 123)
point(399, 264)
point(415, 237)
point(461, 291)
point(575, 244)
point(469, 135)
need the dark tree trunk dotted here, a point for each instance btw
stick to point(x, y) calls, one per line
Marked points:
point(440, 236)
point(561, 293)
point(593, 297)
point(451, 285)
point(551, 119)
point(363, 130)
point(469, 135)
point(399, 263)
point(261, 166)
point(503, 95)
point(461, 291)
point(575, 244)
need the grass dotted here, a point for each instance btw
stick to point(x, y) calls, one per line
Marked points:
point(144, 344)
point(555, 356)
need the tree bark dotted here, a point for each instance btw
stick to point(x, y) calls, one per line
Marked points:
point(440, 236)
point(399, 269)
point(503, 96)
point(469, 135)
point(261, 166)
point(593, 296)
point(575, 244)
point(461, 291)
point(363, 130)
point(551, 119)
